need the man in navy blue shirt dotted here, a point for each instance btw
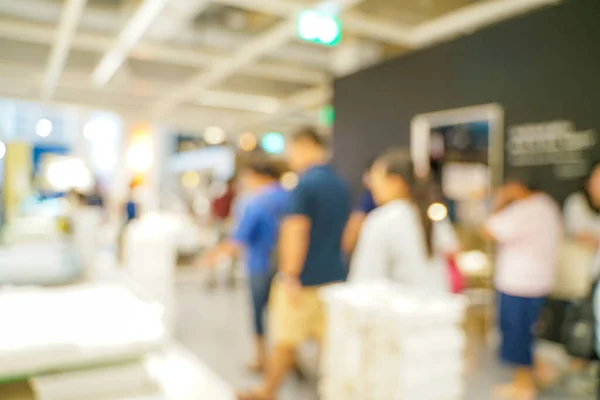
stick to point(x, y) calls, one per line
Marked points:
point(310, 256)
point(257, 233)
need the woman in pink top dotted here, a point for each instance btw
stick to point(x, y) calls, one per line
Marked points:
point(526, 226)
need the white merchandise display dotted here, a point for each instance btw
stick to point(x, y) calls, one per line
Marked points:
point(386, 341)
point(179, 376)
point(150, 260)
point(66, 328)
point(41, 263)
point(106, 383)
point(87, 222)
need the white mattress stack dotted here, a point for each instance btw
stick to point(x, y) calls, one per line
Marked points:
point(98, 336)
point(385, 341)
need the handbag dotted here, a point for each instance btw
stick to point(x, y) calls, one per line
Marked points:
point(579, 329)
point(551, 321)
point(457, 280)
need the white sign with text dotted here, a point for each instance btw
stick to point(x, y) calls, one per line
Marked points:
point(555, 143)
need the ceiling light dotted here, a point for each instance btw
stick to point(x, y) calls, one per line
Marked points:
point(248, 141)
point(2, 150)
point(214, 135)
point(43, 127)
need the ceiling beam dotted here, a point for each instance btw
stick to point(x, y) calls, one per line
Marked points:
point(18, 74)
point(355, 22)
point(470, 18)
point(128, 38)
point(290, 107)
point(43, 34)
point(249, 53)
point(176, 18)
point(69, 20)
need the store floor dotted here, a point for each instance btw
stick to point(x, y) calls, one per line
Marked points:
point(216, 326)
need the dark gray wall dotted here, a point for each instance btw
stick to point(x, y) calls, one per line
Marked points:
point(540, 67)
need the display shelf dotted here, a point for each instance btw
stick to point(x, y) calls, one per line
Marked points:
point(180, 376)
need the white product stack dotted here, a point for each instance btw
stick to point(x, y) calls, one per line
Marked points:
point(389, 342)
point(82, 342)
point(150, 260)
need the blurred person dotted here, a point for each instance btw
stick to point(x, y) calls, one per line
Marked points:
point(582, 215)
point(256, 234)
point(221, 210)
point(366, 204)
point(582, 222)
point(310, 256)
point(131, 211)
point(526, 225)
point(399, 241)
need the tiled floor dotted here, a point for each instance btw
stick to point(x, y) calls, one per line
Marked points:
point(216, 326)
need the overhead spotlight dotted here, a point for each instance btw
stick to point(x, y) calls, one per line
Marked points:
point(437, 212)
point(248, 141)
point(2, 150)
point(43, 128)
point(289, 180)
point(214, 135)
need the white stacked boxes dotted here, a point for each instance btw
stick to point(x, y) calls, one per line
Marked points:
point(388, 342)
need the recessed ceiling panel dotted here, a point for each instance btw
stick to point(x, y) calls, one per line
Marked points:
point(153, 70)
point(264, 87)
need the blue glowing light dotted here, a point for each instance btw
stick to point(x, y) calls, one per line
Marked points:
point(273, 143)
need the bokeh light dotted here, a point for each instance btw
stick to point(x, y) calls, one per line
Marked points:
point(437, 212)
point(248, 141)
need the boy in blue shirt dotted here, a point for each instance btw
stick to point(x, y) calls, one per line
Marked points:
point(256, 234)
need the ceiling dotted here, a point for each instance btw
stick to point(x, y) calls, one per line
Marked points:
point(197, 63)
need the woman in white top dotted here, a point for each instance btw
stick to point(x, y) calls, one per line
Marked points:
point(398, 240)
point(582, 223)
point(582, 214)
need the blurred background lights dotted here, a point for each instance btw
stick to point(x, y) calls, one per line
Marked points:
point(190, 179)
point(214, 135)
point(2, 150)
point(289, 180)
point(43, 127)
point(437, 212)
point(329, 30)
point(248, 141)
point(306, 25)
point(273, 143)
point(140, 156)
point(69, 173)
point(317, 27)
point(97, 129)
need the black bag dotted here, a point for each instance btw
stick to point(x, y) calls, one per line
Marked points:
point(579, 329)
point(552, 320)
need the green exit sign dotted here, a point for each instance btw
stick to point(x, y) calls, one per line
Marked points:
point(319, 28)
